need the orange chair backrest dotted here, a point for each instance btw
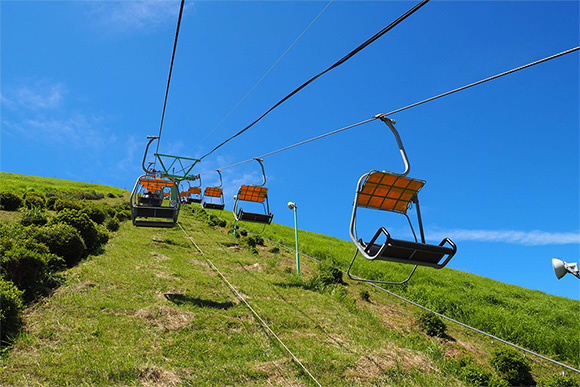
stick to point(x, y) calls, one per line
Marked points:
point(388, 192)
point(252, 193)
point(214, 192)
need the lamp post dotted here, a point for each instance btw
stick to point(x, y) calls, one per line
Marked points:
point(561, 268)
point(292, 206)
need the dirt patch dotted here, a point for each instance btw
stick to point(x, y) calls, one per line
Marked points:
point(255, 267)
point(277, 372)
point(154, 376)
point(159, 257)
point(165, 317)
point(375, 366)
point(200, 263)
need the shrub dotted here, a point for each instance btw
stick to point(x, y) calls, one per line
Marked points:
point(34, 215)
point(475, 375)
point(111, 195)
point(10, 201)
point(327, 273)
point(365, 295)
point(10, 308)
point(63, 240)
point(34, 200)
point(252, 240)
point(96, 214)
point(215, 220)
point(112, 224)
point(432, 324)
point(79, 220)
point(27, 268)
point(512, 366)
point(102, 234)
point(558, 381)
point(63, 204)
point(123, 215)
point(92, 195)
point(50, 200)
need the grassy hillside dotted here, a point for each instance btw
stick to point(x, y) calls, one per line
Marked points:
point(151, 310)
point(25, 183)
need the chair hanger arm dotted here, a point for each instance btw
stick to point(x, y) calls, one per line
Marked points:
point(390, 123)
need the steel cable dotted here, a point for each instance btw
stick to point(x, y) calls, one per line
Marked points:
point(408, 106)
point(341, 61)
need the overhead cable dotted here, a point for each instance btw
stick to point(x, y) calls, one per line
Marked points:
point(169, 76)
point(341, 61)
point(408, 106)
point(264, 76)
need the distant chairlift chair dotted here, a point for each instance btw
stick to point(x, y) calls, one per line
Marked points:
point(389, 191)
point(195, 194)
point(211, 193)
point(256, 194)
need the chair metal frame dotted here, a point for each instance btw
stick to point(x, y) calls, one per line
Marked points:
point(155, 209)
point(396, 250)
point(210, 205)
point(262, 218)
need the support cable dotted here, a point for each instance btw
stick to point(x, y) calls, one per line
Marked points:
point(169, 76)
point(442, 315)
point(267, 72)
point(248, 305)
point(409, 106)
point(341, 61)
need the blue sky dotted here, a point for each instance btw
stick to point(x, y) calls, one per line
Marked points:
point(83, 82)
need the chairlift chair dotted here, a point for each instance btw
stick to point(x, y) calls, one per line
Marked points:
point(155, 202)
point(211, 193)
point(194, 194)
point(395, 192)
point(256, 194)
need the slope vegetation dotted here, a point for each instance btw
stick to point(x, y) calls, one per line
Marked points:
point(154, 309)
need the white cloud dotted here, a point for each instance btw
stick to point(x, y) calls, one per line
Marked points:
point(526, 238)
point(41, 95)
point(135, 15)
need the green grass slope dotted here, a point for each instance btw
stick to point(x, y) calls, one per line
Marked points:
point(151, 310)
point(25, 183)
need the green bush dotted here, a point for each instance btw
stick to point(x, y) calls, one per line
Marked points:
point(432, 324)
point(96, 214)
point(86, 227)
point(89, 195)
point(63, 240)
point(9, 201)
point(34, 215)
point(475, 375)
point(27, 265)
point(512, 366)
point(112, 224)
point(252, 240)
point(558, 381)
point(327, 273)
point(123, 215)
point(34, 200)
point(365, 295)
point(102, 235)
point(10, 308)
point(50, 201)
point(64, 204)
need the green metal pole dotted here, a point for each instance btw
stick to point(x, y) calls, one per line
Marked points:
point(296, 237)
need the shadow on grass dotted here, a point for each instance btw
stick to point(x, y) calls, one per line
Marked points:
point(182, 299)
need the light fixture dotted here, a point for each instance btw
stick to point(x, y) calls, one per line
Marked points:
point(561, 268)
point(291, 205)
